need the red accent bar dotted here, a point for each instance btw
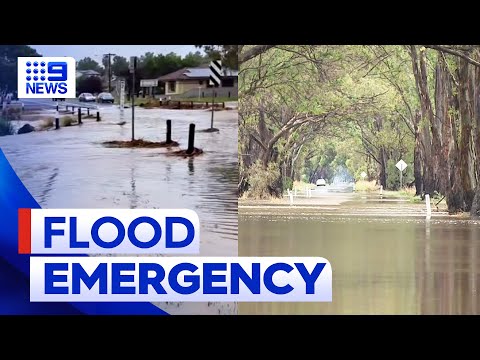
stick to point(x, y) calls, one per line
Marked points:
point(24, 231)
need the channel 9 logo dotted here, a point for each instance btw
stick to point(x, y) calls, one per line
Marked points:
point(46, 77)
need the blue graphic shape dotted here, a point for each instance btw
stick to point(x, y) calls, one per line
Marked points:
point(29, 71)
point(42, 63)
point(35, 63)
point(29, 78)
point(29, 63)
point(15, 268)
point(42, 71)
point(35, 78)
point(42, 78)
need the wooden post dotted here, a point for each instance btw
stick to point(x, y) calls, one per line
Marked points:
point(79, 115)
point(98, 115)
point(191, 139)
point(57, 123)
point(169, 131)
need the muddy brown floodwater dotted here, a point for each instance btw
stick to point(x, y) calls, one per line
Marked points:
point(386, 257)
point(70, 168)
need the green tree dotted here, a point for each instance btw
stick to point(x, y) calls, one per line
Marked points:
point(120, 66)
point(88, 63)
point(8, 64)
point(89, 84)
point(194, 59)
point(227, 53)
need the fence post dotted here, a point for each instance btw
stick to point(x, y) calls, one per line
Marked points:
point(57, 123)
point(169, 131)
point(79, 115)
point(98, 115)
point(191, 139)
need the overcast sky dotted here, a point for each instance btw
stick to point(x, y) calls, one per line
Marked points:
point(96, 51)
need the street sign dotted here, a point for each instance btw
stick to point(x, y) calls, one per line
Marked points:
point(132, 64)
point(401, 165)
point(148, 83)
point(363, 174)
point(216, 73)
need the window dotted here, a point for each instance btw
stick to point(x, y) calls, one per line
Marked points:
point(171, 86)
point(200, 82)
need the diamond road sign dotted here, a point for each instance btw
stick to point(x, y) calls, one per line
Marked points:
point(401, 165)
point(363, 174)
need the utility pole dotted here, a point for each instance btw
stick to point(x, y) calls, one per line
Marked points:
point(109, 70)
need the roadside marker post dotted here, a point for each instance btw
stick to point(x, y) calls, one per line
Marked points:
point(215, 80)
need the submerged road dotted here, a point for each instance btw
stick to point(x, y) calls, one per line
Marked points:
point(48, 104)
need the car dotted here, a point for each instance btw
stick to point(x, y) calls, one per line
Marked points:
point(105, 97)
point(321, 182)
point(86, 97)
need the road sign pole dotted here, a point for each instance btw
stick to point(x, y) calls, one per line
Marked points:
point(213, 106)
point(215, 80)
point(401, 179)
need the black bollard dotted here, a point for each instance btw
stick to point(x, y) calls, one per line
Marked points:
point(79, 115)
point(191, 139)
point(169, 131)
point(98, 115)
point(57, 123)
point(88, 111)
point(57, 107)
point(67, 107)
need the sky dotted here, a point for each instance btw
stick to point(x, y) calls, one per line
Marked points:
point(96, 51)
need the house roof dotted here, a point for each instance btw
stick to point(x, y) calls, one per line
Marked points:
point(195, 74)
point(88, 72)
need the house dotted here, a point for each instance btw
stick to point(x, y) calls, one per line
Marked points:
point(192, 81)
point(88, 73)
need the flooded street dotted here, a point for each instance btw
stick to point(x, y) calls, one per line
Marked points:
point(386, 257)
point(70, 168)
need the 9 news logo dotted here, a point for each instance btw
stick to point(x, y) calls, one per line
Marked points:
point(46, 77)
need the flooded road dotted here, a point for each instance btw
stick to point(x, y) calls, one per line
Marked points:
point(386, 257)
point(70, 168)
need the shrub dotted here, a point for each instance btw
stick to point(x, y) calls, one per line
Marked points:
point(12, 113)
point(46, 123)
point(366, 186)
point(287, 183)
point(263, 183)
point(6, 127)
point(67, 121)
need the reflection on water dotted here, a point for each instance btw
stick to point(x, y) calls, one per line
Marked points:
point(380, 265)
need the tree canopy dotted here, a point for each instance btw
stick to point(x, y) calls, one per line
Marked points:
point(325, 111)
point(8, 64)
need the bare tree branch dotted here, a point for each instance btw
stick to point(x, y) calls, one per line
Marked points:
point(453, 52)
point(253, 52)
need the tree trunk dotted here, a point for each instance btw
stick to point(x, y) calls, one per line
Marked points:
point(382, 156)
point(464, 101)
point(442, 120)
point(429, 158)
point(475, 210)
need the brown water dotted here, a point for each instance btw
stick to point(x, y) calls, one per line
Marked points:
point(386, 258)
